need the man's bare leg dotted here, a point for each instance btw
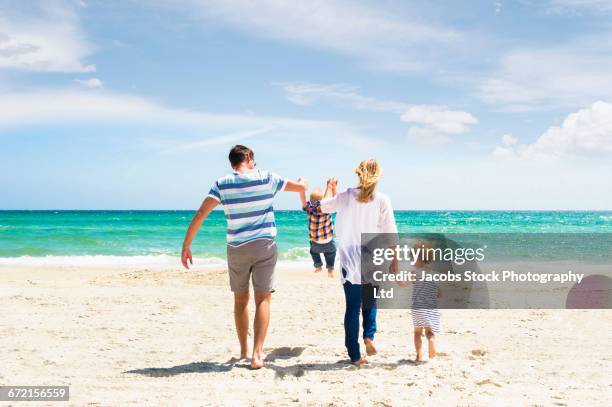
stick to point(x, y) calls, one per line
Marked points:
point(241, 318)
point(262, 320)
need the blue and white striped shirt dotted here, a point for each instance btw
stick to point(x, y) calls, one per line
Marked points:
point(247, 201)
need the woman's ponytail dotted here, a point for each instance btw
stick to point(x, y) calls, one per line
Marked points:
point(368, 172)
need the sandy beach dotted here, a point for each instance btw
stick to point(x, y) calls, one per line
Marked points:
point(128, 336)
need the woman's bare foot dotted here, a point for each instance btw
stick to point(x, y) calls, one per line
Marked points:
point(370, 348)
point(330, 273)
point(318, 270)
point(359, 362)
point(257, 361)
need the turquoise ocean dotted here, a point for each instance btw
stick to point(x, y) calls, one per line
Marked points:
point(129, 237)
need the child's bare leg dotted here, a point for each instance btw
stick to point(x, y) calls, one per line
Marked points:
point(431, 342)
point(330, 273)
point(318, 269)
point(418, 343)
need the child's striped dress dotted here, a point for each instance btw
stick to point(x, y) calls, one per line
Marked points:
point(425, 305)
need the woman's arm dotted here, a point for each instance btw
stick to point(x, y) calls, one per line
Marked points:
point(207, 206)
point(329, 203)
point(331, 189)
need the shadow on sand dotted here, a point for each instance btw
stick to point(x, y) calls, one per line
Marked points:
point(283, 353)
point(195, 367)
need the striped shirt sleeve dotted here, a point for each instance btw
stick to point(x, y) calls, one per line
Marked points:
point(214, 192)
point(278, 183)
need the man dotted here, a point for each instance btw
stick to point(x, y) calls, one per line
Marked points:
point(246, 195)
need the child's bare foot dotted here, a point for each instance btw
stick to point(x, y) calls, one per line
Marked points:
point(370, 348)
point(257, 361)
point(432, 349)
point(431, 343)
point(318, 270)
point(359, 362)
point(419, 357)
point(330, 273)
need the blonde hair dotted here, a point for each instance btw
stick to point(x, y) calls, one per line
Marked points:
point(316, 195)
point(368, 172)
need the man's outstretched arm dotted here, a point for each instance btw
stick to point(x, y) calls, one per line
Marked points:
point(302, 194)
point(207, 206)
point(296, 186)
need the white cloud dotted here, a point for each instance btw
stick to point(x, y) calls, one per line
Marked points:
point(46, 38)
point(178, 130)
point(385, 40)
point(436, 123)
point(305, 94)
point(213, 141)
point(90, 83)
point(566, 76)
point(509, 140)
point(587, 132)
point(73, 106)
point(579, 6)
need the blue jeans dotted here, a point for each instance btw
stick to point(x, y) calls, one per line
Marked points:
point(328, 250)
point(353, 294)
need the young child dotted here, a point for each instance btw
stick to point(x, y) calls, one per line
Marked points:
point(425, 314)
point(320, 232)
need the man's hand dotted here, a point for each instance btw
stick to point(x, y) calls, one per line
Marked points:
point(302, 182)
point(208, 205)
point(186, 258)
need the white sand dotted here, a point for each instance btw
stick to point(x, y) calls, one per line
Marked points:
point(166, 337)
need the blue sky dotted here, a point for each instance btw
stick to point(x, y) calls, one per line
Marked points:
point(134, 104)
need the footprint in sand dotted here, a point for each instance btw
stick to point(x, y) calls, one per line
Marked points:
point(488, 381)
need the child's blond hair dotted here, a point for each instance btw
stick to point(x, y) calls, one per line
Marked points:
point(316, 195)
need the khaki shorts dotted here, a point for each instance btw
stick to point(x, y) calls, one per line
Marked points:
point(256, 260)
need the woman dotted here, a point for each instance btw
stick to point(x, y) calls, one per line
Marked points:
point(358, 210)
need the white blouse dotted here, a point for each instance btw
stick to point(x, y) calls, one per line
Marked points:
point(354, 218)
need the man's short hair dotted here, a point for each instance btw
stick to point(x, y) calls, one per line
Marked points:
point(239, 154)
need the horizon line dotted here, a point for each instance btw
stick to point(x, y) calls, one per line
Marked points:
point(300, 210)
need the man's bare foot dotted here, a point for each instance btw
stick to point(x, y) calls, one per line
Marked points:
point(330, 273)
point(318, 270)
point(257, 361)
point(370, 348)
point(359, 362)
